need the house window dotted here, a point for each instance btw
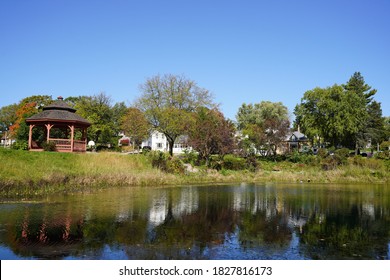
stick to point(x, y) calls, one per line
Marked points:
point(159, 145)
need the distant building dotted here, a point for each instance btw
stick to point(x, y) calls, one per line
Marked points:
point(295, 141)
point(157, 141)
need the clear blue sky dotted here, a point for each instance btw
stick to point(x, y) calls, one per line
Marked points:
point(242, 51)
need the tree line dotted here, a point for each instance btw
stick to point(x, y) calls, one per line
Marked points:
point(340, 115)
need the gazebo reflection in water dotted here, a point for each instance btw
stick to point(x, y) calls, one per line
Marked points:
point(58, 123)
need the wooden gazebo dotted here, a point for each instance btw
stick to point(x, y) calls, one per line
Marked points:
point(61, 125)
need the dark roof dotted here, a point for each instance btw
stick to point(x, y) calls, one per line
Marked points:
point(58, 111)
point(297, 136)
point(59, 104)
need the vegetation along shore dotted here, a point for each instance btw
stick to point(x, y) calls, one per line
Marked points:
point(29, 174)
point(338, 135)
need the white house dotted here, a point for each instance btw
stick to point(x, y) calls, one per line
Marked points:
point(158, 142)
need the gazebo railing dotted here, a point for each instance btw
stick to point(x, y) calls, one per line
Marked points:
point(62, 144)
point(65, 145)
point(79, 145)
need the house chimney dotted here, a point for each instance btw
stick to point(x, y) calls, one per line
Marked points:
point(60, 98)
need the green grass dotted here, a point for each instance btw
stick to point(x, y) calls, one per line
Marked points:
point(24, 174)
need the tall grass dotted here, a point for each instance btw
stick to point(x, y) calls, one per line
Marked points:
point(24, 173)
point(36, 173)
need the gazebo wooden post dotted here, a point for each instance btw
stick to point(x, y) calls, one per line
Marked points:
point(30, 136)
point(84, 137)
point(48, 127)
point(71, 137)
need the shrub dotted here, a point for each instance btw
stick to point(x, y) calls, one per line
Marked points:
point(20, 145)
point(252, 163)
point(158, 159)
point(166, 163)
point(306, 158)
point(322, 153)
point(341, 155)
point(190, 157)
point(232, 162)
point(215, 162)
point(329, 163)
point(174, 165)
point(49, 146)
point(385, 146)
point(385, 155)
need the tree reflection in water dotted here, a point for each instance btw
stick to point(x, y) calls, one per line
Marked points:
point(213, 222)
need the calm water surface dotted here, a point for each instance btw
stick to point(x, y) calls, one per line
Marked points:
point(202, 222)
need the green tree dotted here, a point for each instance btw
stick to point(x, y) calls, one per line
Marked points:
point(386, 123)
point(375, 123)
point(335, 114)
point(135, 125)
point(7, 117)
point(97, 109)
point(168, 101)
point(357, 85)
point(118, 111)
point(265, 124)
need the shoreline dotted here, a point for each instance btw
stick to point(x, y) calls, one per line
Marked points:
point(27, 174)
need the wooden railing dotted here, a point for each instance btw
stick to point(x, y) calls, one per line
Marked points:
point(79, 145)
point(65, 145)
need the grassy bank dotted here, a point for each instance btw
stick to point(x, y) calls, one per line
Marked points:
point(25, 173)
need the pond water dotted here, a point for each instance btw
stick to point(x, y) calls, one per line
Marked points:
point(264, 221)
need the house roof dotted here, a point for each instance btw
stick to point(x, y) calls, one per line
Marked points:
point(58, 111)
point(297, 136)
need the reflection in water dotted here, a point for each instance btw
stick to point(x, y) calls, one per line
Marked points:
point(215, 222)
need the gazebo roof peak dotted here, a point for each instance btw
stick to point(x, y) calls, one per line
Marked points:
point(59, 104)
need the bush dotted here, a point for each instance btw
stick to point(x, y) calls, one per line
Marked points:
point(322, 153)
point(385, 146)
point(158, 159)
point(385, 155)
point(251, 163)
point(20, 145)
point(341, 156)
point(174, 165)
point(49, 146)
point(166, 163)
point(190, 157)
point(306, 158)
point(329, 163)
point(232, 162)
point(215, 162)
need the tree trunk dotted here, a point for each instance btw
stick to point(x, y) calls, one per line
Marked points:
point(171, 142)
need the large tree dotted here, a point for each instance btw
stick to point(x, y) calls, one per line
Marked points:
point(135, 125)
point(26, 108)
point(373, 127)
point(335, 114)
point(97, 109)
point(168, 101)
point(211, 133)
point(344, 115)
point(265, 124)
